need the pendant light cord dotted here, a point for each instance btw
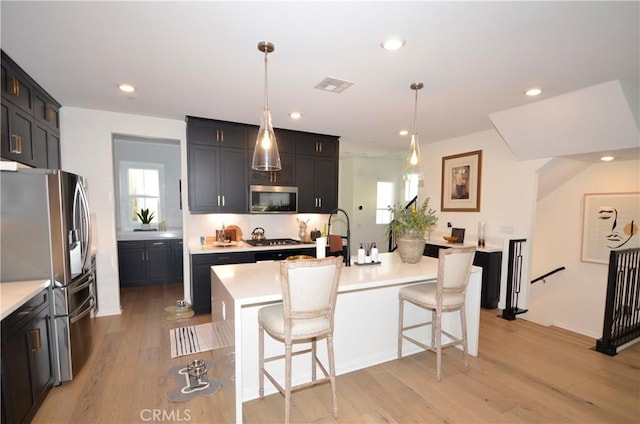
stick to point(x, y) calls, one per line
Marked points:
point(266, 83)
point(415, 114)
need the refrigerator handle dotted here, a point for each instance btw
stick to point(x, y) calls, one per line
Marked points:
point(81, 202)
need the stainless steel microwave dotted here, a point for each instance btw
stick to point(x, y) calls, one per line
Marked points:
point(273, 199)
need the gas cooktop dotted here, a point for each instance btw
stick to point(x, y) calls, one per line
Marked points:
point(272, 242)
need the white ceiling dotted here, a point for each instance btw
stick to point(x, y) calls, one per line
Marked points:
point(201, 59)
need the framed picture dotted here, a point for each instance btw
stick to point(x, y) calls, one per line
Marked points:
point(458, 232)
point(610, 221)
point(461, 175)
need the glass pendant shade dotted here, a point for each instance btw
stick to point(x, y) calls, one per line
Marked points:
point(265, 154)
point(413, 164)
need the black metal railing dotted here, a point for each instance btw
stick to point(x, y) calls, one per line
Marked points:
point(622, 307)
point(514, 280)
point(542, 277)
point(392, 239)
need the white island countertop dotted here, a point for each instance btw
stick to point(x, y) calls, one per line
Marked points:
point(260, 282)
point(15, 294)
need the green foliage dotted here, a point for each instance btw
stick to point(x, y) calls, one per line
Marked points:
point(417, 220)
point(145, 216)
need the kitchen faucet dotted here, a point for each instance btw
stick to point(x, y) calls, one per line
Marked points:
point(347, 256)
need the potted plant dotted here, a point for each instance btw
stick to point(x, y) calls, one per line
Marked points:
point(145, 217)
point(409, 226)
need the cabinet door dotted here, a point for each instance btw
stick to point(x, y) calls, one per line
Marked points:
point(16, 88)
point(20, 134)
point(158, 261)
point(16, 377)
point(39, 337)
point(326, 184)
point(53, 151)
point(178, 260)
point(131, 263)
point(491, 264)
point(204, 184)
point(305, 180)
point(317, 145)
point(201, 276)
point(40, 143)
point(46, 111)
point(233, 181)
point(284, 177)
point(230, 134)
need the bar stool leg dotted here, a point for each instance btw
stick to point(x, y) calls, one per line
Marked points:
point(400, 325)
point(332, 375)
point(261, 359)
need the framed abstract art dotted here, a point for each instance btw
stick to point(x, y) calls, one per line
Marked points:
point(461, 181)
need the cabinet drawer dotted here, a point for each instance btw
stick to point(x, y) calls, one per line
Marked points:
point(25, 313)
point(131, 244)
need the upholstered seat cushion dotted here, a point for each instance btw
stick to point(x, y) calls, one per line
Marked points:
point(272, 319)
point(426, 294)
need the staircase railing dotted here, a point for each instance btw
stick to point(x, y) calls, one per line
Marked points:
point(392, 239)
point(622, 307)
point(542, 277)
point(514, 279)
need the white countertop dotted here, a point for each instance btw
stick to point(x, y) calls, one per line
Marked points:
point(15, 294)
point(149, 235)
point(486, 249)
point(241, 246)
point(260, 282)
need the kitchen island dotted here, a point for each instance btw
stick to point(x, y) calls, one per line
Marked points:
point(366, 321)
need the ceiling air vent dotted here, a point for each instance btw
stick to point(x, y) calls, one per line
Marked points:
point(333, 85)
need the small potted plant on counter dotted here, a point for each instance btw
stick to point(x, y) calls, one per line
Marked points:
point(145, 217)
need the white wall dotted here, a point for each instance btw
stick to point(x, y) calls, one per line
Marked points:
point(86, 149)
point(573, 298)
point(508, 195)
point(358, 187)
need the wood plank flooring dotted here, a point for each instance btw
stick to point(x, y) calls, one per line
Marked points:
point(525, 373)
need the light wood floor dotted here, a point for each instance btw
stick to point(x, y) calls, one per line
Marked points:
point(525, 373)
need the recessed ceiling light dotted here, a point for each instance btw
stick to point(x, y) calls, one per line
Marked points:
point(127, 88)
point(532, 92)
point(607, 158)
point(295, 115)
point(392, 44)
point(403, 132)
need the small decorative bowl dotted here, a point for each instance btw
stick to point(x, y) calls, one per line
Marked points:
point(450, 239)
point(297, 257)
point(197, 368)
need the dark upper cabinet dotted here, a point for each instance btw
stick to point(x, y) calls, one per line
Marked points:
point(286, 140)
point(17, 143)
point(30, 120)
point(317, 145)
point(217, 158)
point(317, 180)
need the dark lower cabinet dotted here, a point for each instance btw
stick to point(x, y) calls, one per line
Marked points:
point(144, 262)
point(178, 260)
point(201, 270)
point(491, 264)
point(201, 276)
point(27, 365)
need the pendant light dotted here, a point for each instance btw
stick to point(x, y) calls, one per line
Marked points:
point(413, 165)
point(265, 154)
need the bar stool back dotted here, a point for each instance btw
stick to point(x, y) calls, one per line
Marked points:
point(447, 294)
point(309, 292)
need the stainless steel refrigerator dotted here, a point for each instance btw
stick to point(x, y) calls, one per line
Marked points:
point(46, 234)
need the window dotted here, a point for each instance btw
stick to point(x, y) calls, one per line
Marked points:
point(411, 188)
point(141, 187)
point(384, 200)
